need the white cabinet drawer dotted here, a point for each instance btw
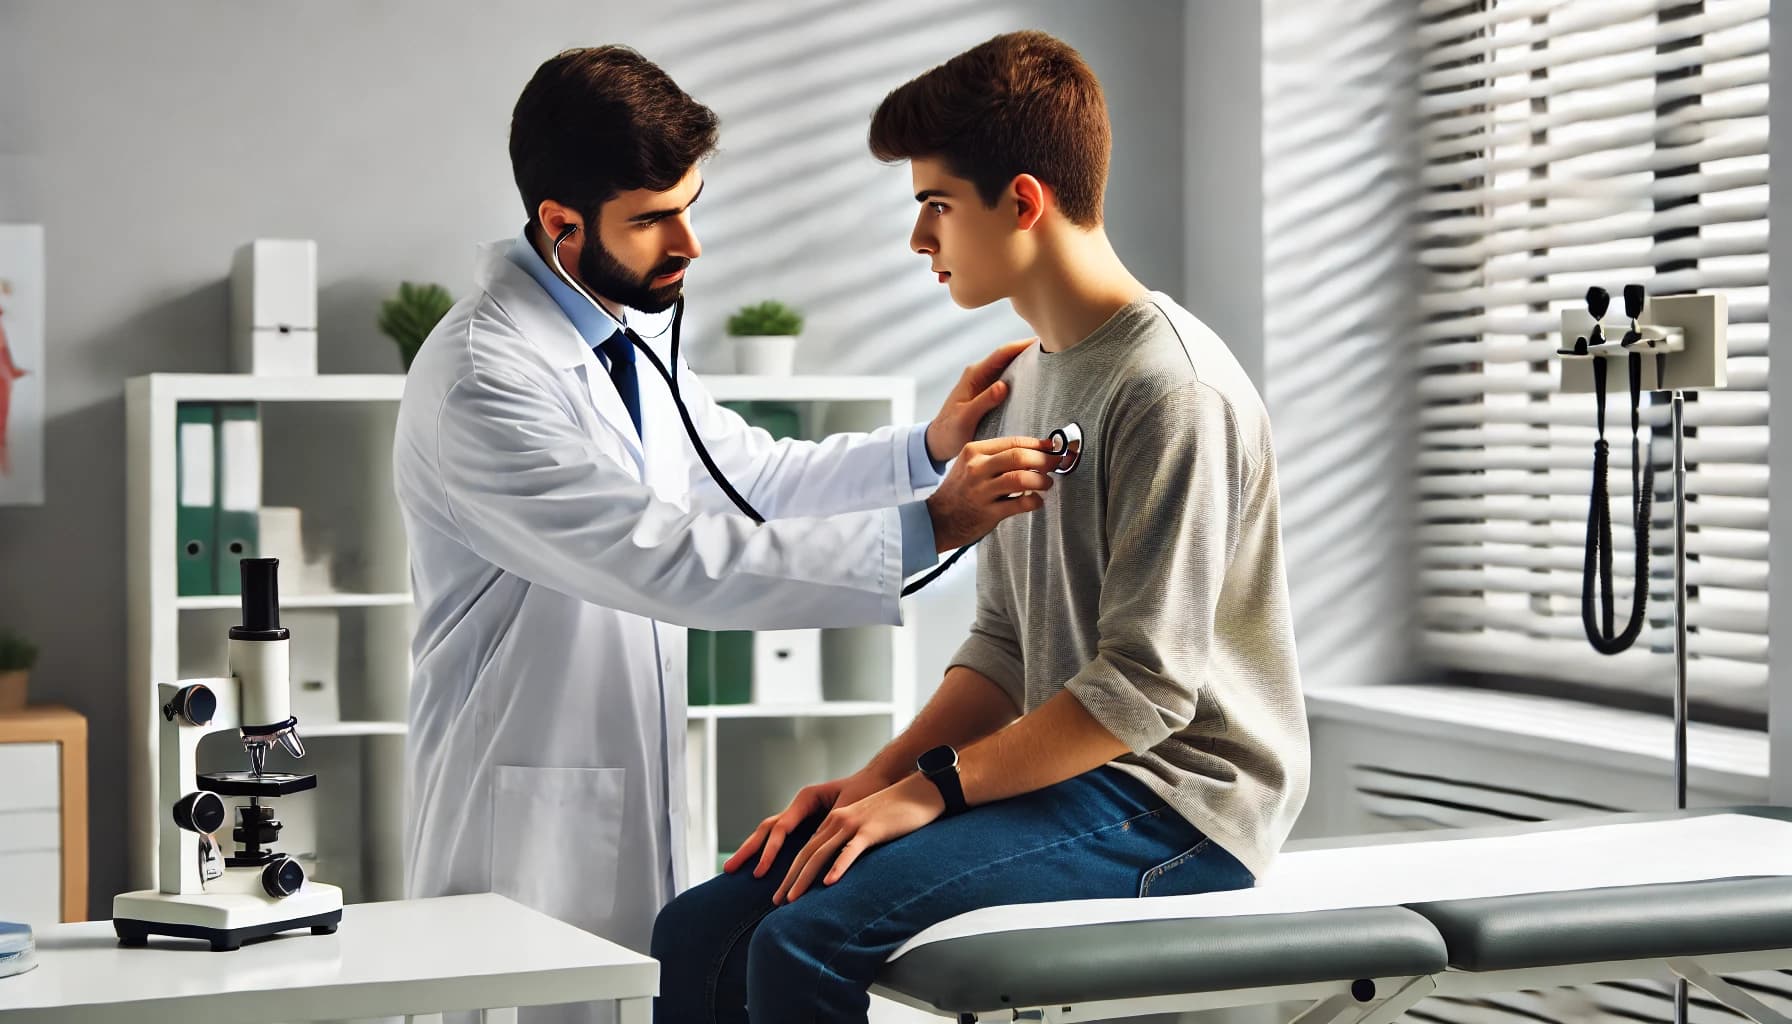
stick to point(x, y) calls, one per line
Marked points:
point(30, 777)
point(30, 832)
point(31, 888)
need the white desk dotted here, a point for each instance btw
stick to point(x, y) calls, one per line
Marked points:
point(412, 958)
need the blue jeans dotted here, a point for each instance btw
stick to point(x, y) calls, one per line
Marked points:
point(727, 954)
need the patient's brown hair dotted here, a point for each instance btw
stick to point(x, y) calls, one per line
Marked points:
point(1021, 103)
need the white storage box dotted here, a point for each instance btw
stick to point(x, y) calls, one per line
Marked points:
point(314, 672)
point(787, 666)
point(273, 307)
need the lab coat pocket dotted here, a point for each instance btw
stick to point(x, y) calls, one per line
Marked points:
point(557, 838)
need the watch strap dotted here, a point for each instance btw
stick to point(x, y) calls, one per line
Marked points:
point(951, 789)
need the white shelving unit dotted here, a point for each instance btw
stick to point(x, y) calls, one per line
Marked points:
point(326, 448)
point(229, 602)
point(745, 761)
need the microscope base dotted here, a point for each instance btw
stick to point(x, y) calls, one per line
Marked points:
point(226, 920)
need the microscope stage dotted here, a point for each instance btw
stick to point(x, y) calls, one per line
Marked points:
point(249, 784)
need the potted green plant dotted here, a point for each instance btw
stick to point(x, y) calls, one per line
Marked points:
point(409, 316)
point(17, 656)
point(766, 338)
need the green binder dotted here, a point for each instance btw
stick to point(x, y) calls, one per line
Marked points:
point(720, 667)
point(196, 496)
point(779, 418)
point(720, 664)
point(239, 493)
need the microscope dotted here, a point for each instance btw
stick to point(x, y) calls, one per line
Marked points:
point(253, 892)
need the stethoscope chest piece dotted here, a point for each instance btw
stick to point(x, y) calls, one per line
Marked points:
point(1067, 443)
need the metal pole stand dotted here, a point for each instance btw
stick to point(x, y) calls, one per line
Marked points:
point(1684, 341)
point(1679, 417)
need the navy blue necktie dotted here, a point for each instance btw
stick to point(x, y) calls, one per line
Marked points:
point(621, 354)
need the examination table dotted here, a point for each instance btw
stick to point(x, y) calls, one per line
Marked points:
point(1364, 928)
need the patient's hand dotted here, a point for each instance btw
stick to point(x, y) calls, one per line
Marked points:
point(809, 800)
point(851, 829)
point(979, 390)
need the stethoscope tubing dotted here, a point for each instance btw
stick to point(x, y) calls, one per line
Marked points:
point(1067, 441)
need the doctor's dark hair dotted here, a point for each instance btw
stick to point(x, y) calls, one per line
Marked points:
point(1020, 103)
point(599, 121)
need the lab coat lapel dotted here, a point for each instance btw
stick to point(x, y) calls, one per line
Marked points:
point(610, 406)
point(543, 323)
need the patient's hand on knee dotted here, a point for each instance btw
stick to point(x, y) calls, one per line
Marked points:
point(810, 801)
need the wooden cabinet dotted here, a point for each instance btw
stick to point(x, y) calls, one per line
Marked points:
point(43, 816)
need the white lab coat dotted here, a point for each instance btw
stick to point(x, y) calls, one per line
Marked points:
point(556, 561)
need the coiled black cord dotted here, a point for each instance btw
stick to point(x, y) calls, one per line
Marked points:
point(1597, 571)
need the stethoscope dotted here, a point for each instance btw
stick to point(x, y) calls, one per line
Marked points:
point(1066, 441)
point(1067, 444)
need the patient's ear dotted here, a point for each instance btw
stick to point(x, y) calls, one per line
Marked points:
point(1030, 197)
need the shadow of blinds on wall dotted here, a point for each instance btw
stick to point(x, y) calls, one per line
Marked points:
point(1338, 300)
point(1563, 146)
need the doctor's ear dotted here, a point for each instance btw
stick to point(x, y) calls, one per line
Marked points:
point(556, 218)
point(1029, 200)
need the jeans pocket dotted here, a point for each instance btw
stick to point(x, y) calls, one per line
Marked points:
point(1203, 867)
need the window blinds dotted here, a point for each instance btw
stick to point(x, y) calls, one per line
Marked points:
point(1562, 146)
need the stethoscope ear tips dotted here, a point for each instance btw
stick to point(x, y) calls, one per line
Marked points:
point(1067, 444)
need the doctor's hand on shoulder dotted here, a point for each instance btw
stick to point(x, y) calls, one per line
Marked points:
point(980, 389)
point(989, 480)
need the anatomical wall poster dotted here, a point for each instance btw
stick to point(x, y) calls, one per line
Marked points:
point(21, 364)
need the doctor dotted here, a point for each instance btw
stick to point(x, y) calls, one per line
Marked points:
point(563, 532)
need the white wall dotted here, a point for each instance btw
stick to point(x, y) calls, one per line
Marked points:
point(1296, 255)
point(1223, 183)
point(1340, 286)
point(151, 139)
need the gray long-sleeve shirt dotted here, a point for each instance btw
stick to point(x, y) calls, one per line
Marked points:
point(1151, 584)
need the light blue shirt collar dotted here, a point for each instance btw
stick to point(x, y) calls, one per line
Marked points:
point(594, 323)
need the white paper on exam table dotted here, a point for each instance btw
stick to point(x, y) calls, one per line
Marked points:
point(1596, 856)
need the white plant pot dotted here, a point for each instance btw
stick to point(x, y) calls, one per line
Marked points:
point(766, 355)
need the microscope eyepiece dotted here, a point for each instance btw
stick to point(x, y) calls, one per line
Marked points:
point(261, 602)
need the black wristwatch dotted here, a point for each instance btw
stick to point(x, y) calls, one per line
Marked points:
point(940, 765)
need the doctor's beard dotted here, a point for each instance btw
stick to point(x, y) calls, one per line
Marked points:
point(605, 275)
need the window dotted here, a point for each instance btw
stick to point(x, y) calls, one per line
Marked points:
point(1562, 146)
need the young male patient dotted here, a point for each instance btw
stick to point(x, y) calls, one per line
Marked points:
point(1126, 714)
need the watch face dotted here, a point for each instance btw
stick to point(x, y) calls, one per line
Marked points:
point(938, 759)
